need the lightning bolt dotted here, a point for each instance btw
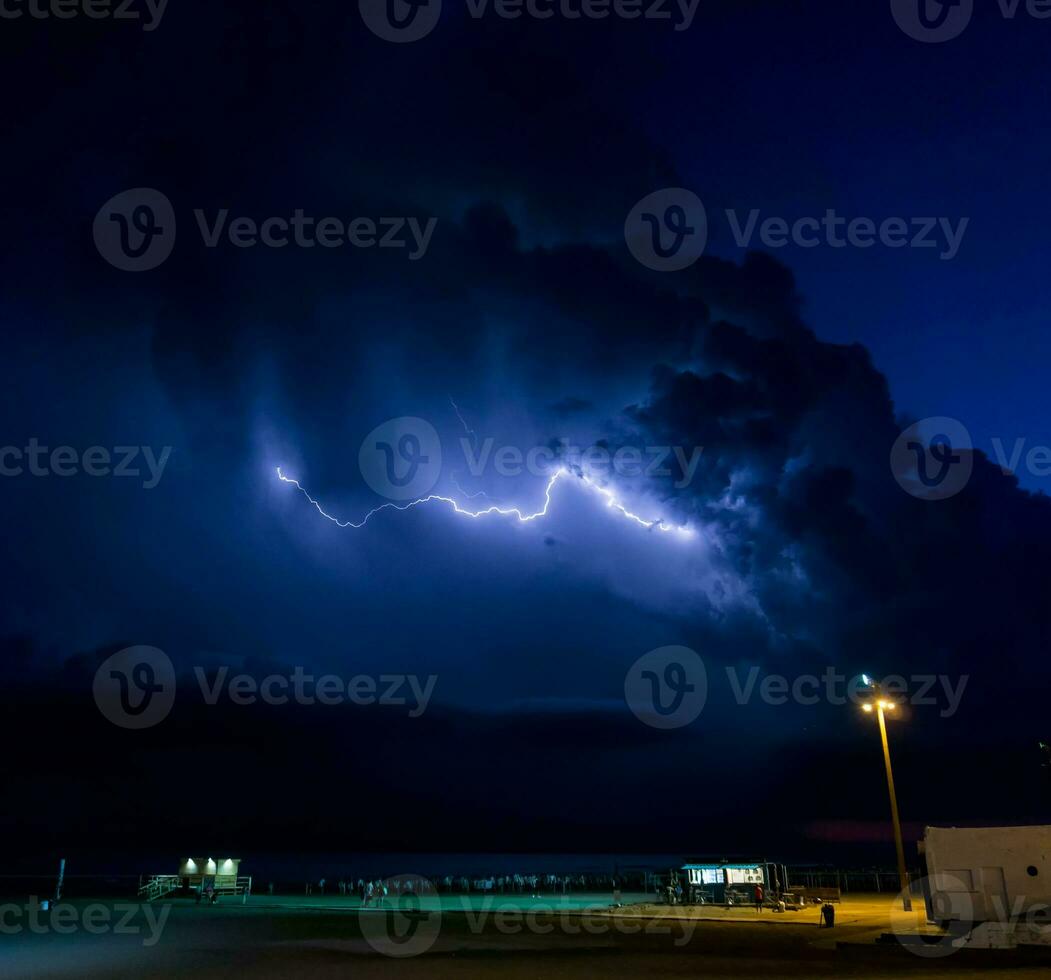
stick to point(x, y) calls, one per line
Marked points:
point(474, 444)
point(611, 502)
point(472, 496)
point(463, 422)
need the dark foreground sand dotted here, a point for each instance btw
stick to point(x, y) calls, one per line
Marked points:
point(272, 938)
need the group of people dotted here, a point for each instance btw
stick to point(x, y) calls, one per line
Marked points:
point(373, 890)
point(206, 893)
point(534, 885)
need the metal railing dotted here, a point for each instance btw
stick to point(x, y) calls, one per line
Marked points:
point(157, 886)
point(160, 886)
point(223, 884)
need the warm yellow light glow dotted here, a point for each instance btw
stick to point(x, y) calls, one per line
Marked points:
point(889, 704)
point(866, 707)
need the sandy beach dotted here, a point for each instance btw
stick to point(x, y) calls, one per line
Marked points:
point(578, 936)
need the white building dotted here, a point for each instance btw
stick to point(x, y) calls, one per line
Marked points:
point(999, 876)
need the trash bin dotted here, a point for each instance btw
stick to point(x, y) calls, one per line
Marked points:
point(828, 915)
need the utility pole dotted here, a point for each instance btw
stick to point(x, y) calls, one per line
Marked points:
point(61, 880)
point(881, 704)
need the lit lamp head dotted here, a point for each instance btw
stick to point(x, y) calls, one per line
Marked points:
point(879, 701)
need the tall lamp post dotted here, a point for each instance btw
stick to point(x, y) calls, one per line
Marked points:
point(879, 705)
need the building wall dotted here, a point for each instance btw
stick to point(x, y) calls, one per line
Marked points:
point(986, 873)
point(204, 866)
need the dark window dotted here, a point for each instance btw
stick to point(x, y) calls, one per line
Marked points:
point(1031, 871)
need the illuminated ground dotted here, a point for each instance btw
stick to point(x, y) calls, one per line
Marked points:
point(504, 937)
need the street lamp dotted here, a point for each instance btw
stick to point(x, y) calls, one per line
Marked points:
point(880, 704)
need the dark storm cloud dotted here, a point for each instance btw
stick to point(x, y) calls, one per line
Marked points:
point(795, 483)
point(526, 281)
point(529, 310)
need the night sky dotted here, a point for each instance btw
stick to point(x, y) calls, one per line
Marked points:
point(525, 320)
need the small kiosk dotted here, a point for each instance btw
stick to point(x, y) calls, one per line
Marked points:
point(731, 883)
point(221, 874)
point(202, 874)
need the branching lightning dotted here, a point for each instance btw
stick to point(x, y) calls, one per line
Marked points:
point(470, 496)
point(474, 445)
point(463, 422)
point(611, 502)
